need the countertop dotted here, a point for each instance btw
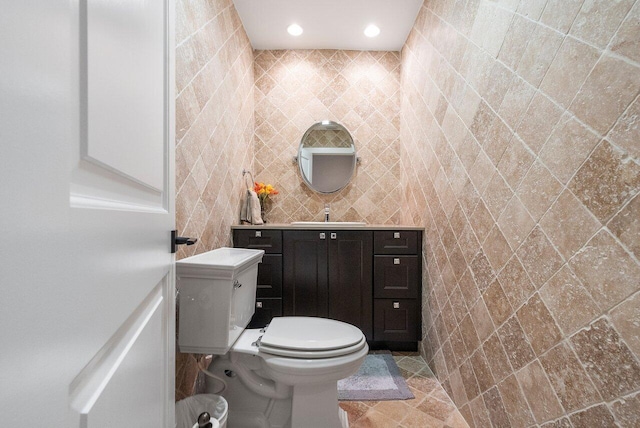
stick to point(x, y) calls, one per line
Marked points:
point(333, 226)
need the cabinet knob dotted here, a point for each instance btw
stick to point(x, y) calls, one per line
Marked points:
point(322, 235)
point(258, 305)
point(258, 234)
point(396, 305)
point(334, 235)
point(396, 235)
point(396, 261)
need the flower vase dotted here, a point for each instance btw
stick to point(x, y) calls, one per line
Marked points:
point(263, 210)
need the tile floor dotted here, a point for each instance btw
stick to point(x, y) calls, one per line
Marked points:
point(431, 407)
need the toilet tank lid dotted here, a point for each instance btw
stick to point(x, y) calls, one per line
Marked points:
point(310, 334)
point(224, 261)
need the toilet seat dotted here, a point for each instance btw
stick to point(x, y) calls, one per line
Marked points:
point(310, 337)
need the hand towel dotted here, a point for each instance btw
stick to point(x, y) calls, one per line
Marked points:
point(245, 211)
point(254, 203)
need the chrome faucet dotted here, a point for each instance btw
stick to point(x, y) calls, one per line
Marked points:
point(326, 212)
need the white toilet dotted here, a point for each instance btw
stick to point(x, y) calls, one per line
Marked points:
point(283, 376)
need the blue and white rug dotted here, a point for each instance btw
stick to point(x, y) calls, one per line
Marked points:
point(378, 379)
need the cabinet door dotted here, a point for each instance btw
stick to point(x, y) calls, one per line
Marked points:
point(350, 279)
point(396, 320)
point(270, 276)
point(304, 288)
point(266, 309)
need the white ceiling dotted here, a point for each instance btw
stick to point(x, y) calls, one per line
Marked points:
point(328, 24)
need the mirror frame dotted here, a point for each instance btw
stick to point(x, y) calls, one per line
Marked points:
point(314, 127)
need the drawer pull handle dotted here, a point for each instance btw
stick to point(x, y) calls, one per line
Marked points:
point(396, 305)
point(396, 261)
point(334, 235)
point(322, 236)
point(258, 305)
point(258, 234)
point(396, 235)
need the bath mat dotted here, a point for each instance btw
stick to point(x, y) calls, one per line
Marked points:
point(378, 379)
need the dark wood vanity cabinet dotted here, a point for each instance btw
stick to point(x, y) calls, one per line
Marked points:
point(368, 278)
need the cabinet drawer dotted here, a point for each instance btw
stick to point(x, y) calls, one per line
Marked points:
point(268, 240)
point(396, 277)
point(270, 276)
point(266, 309)
point(391, 323)
point(395, 242)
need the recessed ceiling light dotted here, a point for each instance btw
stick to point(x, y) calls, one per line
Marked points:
point(294, 29)
point(372, 30)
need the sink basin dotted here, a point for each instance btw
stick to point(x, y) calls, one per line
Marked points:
point(328, 223)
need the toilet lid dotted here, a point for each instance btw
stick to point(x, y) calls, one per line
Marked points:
point(308, 336)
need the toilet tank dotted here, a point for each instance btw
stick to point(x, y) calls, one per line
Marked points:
point(216, 298)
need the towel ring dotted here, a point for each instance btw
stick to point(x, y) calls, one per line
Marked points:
point(246, 171)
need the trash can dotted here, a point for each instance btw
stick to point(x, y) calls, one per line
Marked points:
point(188, 410)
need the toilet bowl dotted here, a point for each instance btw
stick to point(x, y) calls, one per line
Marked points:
point(282, 376)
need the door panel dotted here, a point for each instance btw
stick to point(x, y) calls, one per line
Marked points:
point(350, 289)
point(87, 211)
point(305, 273)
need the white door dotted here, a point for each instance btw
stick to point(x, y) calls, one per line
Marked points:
point(86, 209)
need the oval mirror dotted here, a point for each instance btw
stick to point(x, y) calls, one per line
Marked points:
point(327, 157)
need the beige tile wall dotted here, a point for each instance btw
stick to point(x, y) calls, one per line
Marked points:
point(361, 90)
point(520, 131)
point(214, 127)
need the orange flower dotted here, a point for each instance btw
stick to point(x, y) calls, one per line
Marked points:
point(264, 190)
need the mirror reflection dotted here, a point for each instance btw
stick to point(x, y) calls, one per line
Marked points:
point(327, 157)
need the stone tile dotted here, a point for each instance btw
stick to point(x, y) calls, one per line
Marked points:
point(611, 365)
point(490, 26)
point(480, 414)
point(538, 324)
point(481, 221)
point(568, 301)
point(626, 410)
point(538, 122)
point(627, 40)
point(482, 370)
point(569, 145)
point(538, 392)
point(395, 410)
point(598, 20)
point(373, 418)
point(516, 101)
point(497, 303)
point(515, 282)
point(626, 319)
point(469, 381)
point(515, 343)
point(436, 408)
point(415, 418)
point(482, 320)
point(459, 395)
point(515, 41)
point(532, 9)
point(354, 409)
point(496, 195)
point(626, 226)
point(569, 70)
point(468, 288)
point(482, 271)
point(497, 249)
point(612, 85)
point(515, 222)
point(560, 14)
point(606, 181)
point(626, 132)
point(423, 384)
point(541, 49)
point(495, 408)
point(469, 335)
point(496, 357)
point(538, 190)
point(539, 258)
point(515, 162)
point(514, 403)
point(606, 270)
point(598, 416)
point(568, 378)
point(569, 224)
